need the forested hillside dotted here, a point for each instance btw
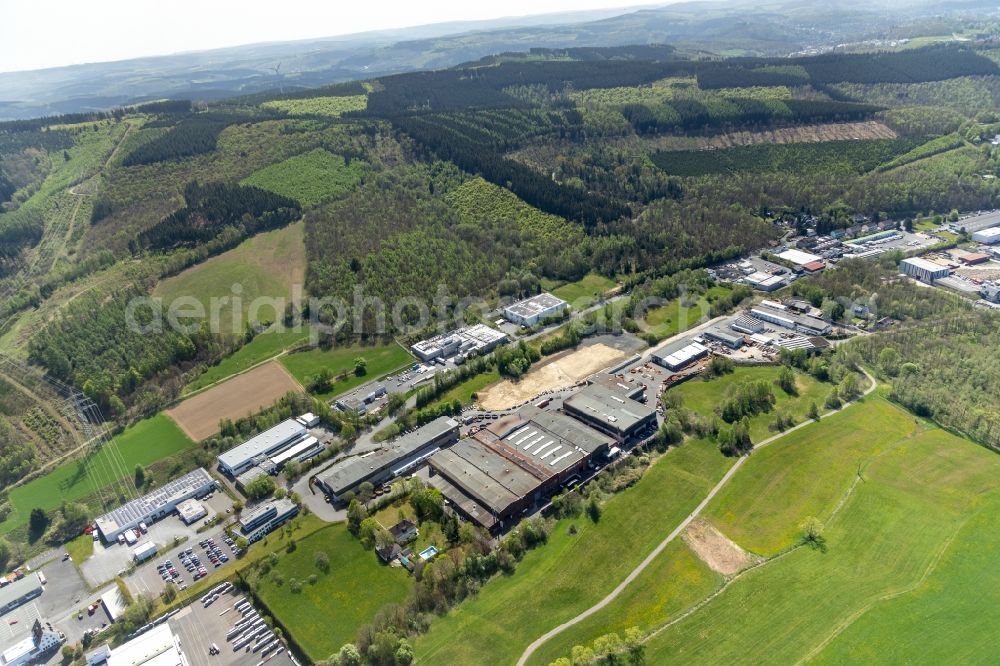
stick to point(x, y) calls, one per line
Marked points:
point(486, 180)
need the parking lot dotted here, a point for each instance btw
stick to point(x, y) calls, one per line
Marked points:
point(188, 563)
point(199, 626)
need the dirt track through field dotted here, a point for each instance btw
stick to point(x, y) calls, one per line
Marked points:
point(234, 398)
point(560, 373)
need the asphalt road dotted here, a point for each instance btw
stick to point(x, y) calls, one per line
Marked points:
point(537, 643)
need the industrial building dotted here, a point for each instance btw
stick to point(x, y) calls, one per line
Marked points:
point(459, 344)
point(990, 293)
point(155, 504)
point(397, 457)
point(26, 650)
point(264, 519)
point(765, 281)
point(978, 223)
point(240, 458)
point(679, 354)
point(625, 420)
point(623, 385)
point(725, 337)
point(799, 258)
point(747, 324)
point(923, 270)
point(361, 399)
point(302, 451)
point(19, 592)
point(532, 310)
point(514, 463)
point(157, 647)
point(990, 236)
point(782, 316)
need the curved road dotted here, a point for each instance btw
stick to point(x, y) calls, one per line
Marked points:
point(673, 535)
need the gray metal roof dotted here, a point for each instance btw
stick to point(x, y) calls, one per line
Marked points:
point(536, 305)
point(484, 475)
point(598, 403)
point(347, 473)
point(9, 594)
point(266, 443)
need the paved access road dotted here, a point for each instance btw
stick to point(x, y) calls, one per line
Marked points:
point(673, 535)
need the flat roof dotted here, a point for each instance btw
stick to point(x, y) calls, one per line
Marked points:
point(262, 444)
point(345, 474)
point(793, 317)
point(924, 264)
point(602, 405)
point(988, 232)
point(468, 505)
point(152, 502)
point(484, 474)
point(545, 444)
point(723, 334)
point(289, 453)
point(18, 589)
point(157, 646)
point(680, 352)
point(626, 387)
point(536, 305)
point(799, 257)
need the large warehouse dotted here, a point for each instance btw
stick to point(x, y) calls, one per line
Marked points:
point(923, 270)
point(271, 442)
point(532, 310)
point(625, 420)
point(158, 647)
point(397, 457)
point(512, 464)
point(19, 592)
point(680, 354)
point(788, 319)
point(989, 236)
point(155, 505)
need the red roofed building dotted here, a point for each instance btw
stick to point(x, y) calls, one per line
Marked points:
point(813, 266)
point(973, 258)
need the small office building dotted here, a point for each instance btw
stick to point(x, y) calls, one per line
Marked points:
point(256, 523)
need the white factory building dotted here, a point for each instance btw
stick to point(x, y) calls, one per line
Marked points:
point(989, 236)
point(269, 443)
point(155, 505)
point(679, 354)
point(798, 257)
point(460, 344)
point(157, 647)
point(923, 270)
point(532, 310)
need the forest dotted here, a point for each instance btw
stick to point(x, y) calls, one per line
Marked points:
point(940, 360)
point(212, 207)
point(193, 134)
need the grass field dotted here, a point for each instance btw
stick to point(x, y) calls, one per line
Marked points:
point(80, 548)
point(464, 390)
point(265, 268)
point(898, 540)
point(309, 178)
point(355, 588)
point(703, 396)
point(588, 287)
point(261, 348)
point(903, 571)
point(680, 314)
point(381, 359)
point(333, 107)
point(572, 571)
point(142, 444)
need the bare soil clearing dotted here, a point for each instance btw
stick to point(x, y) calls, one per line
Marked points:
point(234, 398)
point(561, 372)
point(717, 551)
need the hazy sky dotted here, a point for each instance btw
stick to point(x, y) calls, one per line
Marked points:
point(49, 33)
